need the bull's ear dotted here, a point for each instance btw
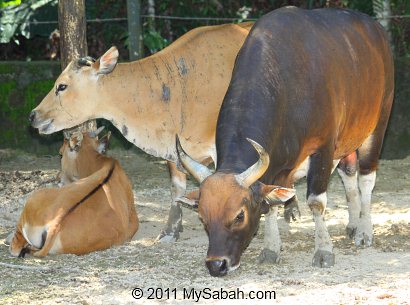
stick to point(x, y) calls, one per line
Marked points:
point(189, 201)
point(107, 62)
point(274, 194)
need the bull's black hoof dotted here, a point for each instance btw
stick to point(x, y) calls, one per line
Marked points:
point(350, 232)
point(268, 257)
point(292, 212)
point(323, 259)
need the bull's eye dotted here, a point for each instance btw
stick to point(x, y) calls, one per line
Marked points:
point(61, 87)
point(240, 217)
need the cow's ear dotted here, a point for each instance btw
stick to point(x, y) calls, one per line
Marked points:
point(103, 143)
point(274, 194)
point(189, 201)
point(106, 63)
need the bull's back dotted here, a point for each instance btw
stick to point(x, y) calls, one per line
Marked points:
point(321, 75)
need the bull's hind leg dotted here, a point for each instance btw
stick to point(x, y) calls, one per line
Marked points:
point(174, 224)
point(321, 164)
point(369, 154)
point(347, 170)
point(368, 160)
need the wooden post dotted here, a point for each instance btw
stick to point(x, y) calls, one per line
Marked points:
point(134, 29)
point(73, 42)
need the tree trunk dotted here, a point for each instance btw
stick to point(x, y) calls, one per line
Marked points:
point(382, 10)
point(73, 43)
point(151, 14)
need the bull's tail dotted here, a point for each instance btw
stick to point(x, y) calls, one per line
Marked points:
point(87, 186)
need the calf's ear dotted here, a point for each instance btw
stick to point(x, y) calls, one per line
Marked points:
point(106, 63)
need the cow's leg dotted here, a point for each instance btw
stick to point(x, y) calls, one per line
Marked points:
point(347, 170)
point(174, 224)
point(321, 165)
point(272, 242)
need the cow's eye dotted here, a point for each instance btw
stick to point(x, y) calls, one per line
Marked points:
point(61, 87)
point(240, 217)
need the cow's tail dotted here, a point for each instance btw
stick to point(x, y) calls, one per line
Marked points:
point(88, 186)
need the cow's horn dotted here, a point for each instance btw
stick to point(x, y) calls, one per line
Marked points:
point(196, 169)
point(253, 173)
point(94, 134)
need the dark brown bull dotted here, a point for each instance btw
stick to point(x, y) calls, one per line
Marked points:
point(312, 88)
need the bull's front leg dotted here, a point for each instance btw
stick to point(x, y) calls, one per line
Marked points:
point(272, 241)
point(321, 164)
point(174, 224)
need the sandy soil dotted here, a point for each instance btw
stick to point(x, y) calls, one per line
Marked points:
point(376, 275)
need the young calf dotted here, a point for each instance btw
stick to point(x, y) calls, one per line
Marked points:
point(94, 212)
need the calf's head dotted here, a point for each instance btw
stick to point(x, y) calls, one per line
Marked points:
point(230, 206)
point(74, 98)
point(80, 155)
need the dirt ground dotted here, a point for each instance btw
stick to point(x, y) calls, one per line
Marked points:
point(376, 275)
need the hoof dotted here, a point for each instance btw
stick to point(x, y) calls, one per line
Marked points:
point(323, 259)
point(268, 257)
point(351, 231)
point(364, 233)
point(167, 237)
point(363, 239)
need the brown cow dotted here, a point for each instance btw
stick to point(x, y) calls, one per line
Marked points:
point(177, 90)
point(93, 213)
point(310, 88)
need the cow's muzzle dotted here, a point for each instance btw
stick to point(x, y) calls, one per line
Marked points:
point(42, 125)
point(32, 117)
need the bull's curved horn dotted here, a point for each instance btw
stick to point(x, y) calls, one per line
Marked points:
point(253, 173)
point(196, 169)
point(94, 134)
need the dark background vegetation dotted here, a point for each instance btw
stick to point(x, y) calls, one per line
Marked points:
point(23, 84)
point(33, 42)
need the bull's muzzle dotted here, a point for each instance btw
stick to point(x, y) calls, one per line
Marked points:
point(217, 267)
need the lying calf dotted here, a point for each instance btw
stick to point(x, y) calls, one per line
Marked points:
point(94, 212)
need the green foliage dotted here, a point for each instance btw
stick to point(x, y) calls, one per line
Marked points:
point(9, 3)
point(34, 92)
point(154, 41)
point(15, 15)
point(365, 6)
